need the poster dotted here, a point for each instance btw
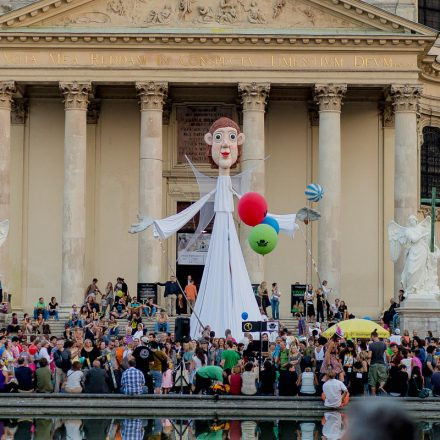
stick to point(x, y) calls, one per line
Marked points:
point(197, 251)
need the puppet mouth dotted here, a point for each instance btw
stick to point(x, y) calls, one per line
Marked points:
point(225, 154)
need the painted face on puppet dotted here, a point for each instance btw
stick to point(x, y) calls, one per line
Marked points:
point(224, 144)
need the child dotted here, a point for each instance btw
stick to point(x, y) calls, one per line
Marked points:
point(335, 393)
point(167, 379)
point(235, 381)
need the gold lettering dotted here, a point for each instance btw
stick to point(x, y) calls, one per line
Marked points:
point(387, 62)
point(359, 61)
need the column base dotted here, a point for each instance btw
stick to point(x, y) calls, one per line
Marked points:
point(420, 313)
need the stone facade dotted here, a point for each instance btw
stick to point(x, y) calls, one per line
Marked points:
point(341, 108)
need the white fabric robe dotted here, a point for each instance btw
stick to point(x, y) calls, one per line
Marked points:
point(225, 290)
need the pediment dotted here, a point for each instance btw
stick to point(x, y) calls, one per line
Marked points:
point(213, 16)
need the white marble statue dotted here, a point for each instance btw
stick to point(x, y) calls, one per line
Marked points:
point(419, 275)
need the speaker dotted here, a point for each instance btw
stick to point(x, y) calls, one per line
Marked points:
point(182, 329)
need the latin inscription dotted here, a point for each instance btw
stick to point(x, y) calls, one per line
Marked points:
point(193, 121)
point(205, 61)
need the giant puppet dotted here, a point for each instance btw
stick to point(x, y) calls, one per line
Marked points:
point(225, 290)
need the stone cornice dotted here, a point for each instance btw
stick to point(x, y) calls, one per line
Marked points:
point(254, 95)
point(405, 97)
point(329, 96)
point(77, 40)
point(152, 94)
point(7, 89)
point(76, 94)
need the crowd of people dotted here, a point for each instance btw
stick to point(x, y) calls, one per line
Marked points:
point(97, 354)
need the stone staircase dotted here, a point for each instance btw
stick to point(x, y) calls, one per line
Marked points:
point(57, 327)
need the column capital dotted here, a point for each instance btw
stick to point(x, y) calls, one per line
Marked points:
point(152, 94)
point(7, 88)
point(76, 94)
point(254, 95)
point(19, 110)
point(329, 96)
point(405, 97)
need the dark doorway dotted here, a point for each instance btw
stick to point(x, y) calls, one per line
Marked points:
point(194, 269)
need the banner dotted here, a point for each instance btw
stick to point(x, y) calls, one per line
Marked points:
point(297, 292)
point(146, 291)
point(196, 254)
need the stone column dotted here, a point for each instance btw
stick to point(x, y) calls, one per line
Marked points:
point(254, 98)
point(76, 99)
point(152, 98)
point(7, 88)
point(405, 102)
point(329, 99)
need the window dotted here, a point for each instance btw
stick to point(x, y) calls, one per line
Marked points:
point(430, 161)
point(429, 13)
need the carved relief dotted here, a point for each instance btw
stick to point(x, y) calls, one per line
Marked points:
point(88, 18)
point(227, 13)
point(254, 13)
point(160, 16)
point(185, 9)
point(206, 15)
point(278, 8)
point(277, 14)
point(118, 7)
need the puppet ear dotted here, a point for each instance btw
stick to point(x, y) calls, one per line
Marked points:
point(208, 138)
point(240, 139)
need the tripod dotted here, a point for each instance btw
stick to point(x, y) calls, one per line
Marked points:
point(182, 376)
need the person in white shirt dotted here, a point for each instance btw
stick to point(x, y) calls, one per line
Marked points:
point(75, 379)
point(333, 428)
point(327, 292)
point(335, 393)
point(395, 337)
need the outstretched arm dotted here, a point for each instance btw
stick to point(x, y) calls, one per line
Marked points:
point(168, 226)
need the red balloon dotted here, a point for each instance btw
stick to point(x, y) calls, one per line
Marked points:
point(252, 208)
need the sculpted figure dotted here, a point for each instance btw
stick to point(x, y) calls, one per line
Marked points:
point(228, 11)
point(254, 13)
point(419, 275)
point(225, 290)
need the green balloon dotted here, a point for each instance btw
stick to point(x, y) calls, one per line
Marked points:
point(263, 239)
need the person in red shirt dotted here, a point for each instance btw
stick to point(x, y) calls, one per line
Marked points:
point(235, 381)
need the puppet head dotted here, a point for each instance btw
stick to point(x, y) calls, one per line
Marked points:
point(225, 141)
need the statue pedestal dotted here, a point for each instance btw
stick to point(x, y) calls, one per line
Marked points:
point(420, 313)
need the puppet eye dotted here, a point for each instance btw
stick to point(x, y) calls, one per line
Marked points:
point(232, 136)
point(218, 136)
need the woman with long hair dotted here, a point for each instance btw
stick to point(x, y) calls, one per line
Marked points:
point(264, 296)
point(416, 382)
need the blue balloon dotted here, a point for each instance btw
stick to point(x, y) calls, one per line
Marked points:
point(368, 318)
point(314, 192)
point(271, 222)
point(244, 316)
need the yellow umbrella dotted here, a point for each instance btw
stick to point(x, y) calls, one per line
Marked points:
point(357, 328)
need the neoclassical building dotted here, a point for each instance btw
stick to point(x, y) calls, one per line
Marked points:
point(100, 100)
